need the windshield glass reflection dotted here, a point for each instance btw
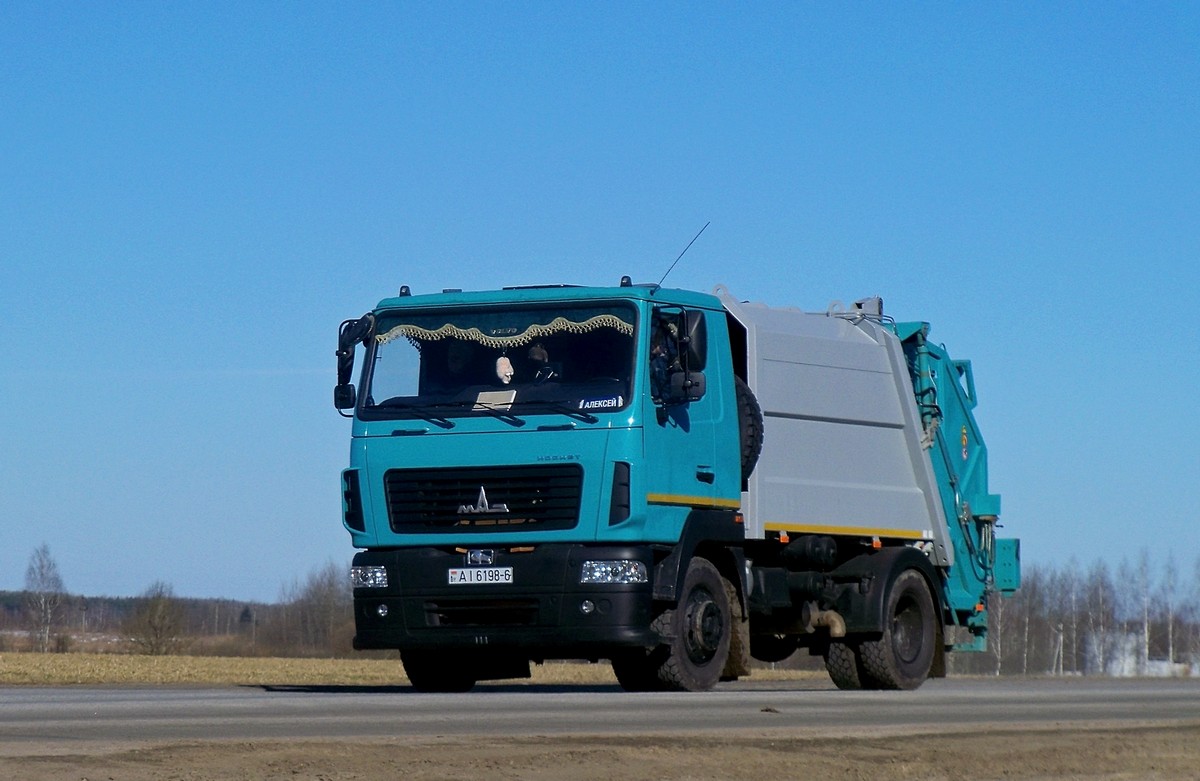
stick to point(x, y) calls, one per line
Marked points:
point(571, 360)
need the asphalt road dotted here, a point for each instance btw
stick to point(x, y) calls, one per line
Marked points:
point(83, 719)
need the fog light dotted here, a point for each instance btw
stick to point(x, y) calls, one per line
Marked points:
point(382, 610)
point(587, 607)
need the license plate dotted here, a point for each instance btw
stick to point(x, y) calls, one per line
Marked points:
point(480, 575)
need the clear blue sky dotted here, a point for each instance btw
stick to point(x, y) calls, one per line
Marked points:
point(194, 195)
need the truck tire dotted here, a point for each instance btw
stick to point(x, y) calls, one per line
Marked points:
point(903, 656)
point(699, 631)
point(750, 426)
point(437, 672)
point(697, 638)
point(737, 663)
point(841, 662)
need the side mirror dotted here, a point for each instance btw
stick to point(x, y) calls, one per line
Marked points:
point(687, 386)
point(344, 396)
point(696, 340)
point(352, 332)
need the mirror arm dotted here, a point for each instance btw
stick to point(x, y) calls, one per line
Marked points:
point(351, 333)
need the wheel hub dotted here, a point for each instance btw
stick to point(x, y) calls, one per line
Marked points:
point(907, 632)
point(705, 626)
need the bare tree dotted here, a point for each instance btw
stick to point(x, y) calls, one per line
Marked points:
point(1169, 599)
point(1100, 619)
point(1192, 609)
point(44, 596)
point(1073, 583)
point(1032, 606)
point(1145, 595)
point(326, 605)
point(997, 630)
point(156, 625)
point(316, 617)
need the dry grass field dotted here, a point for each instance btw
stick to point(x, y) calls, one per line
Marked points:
point(19, 668)
point(75, 668)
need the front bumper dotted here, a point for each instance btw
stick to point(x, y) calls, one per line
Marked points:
point(541, 612)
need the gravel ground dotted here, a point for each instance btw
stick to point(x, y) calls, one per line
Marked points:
point(1129, 753)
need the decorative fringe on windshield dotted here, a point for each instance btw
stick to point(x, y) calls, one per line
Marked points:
point(556, 326)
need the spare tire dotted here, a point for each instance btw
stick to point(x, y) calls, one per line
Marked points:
point(750, 426)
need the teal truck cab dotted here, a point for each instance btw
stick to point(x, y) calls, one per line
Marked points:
point(669, 480)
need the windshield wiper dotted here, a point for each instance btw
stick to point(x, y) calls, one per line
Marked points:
point(474, 405)
point(498, 414)
point(563, 408)
point(418, 410)
point(423, 411)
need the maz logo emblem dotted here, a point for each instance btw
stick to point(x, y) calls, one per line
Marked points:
point(481, 505)
point(477, 557)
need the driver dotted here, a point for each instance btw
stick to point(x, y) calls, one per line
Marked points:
point(539, 363)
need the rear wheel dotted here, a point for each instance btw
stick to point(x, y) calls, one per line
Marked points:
point(903, 656)
point(433, 672)
point(843, 662)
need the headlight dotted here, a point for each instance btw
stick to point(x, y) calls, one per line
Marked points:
point(368, 577)
point(613, 572)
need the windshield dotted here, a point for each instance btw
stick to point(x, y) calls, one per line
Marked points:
point(570, 359)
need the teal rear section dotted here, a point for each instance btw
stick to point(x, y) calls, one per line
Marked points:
point(945, 395)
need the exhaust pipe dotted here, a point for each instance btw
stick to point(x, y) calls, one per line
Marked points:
point(831, 619)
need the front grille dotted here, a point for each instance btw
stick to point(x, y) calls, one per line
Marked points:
point(483, 499)
point(500, 612)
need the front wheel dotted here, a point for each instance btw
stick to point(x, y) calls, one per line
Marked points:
point(696, 637)
point(698, 631)
point(903, 656)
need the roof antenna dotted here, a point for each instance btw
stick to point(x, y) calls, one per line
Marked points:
point(685, 249)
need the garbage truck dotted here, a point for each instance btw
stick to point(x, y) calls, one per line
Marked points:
point(669, 481)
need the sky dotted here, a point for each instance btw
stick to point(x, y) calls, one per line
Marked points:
point(194, 195)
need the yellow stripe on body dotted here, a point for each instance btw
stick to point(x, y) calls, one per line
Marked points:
point(680, 500)
point(857, 531)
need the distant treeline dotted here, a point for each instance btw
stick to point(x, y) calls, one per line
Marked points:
point(313, 618)
point(1140, 618)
